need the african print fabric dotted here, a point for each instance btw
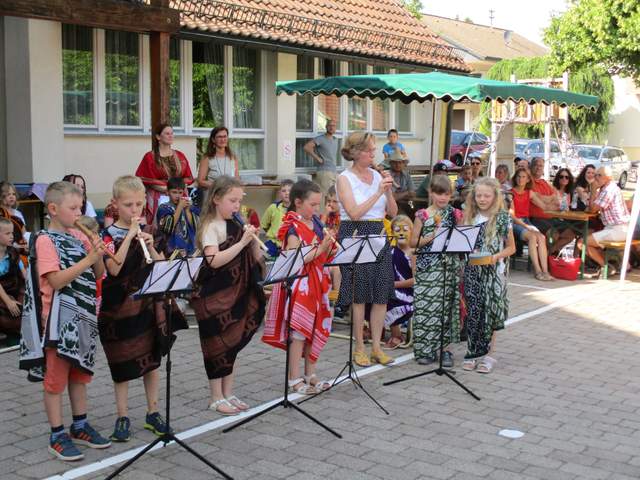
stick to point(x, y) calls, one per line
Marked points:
point(437, 294)
point(400, 308)
point(71, 327)
point(133, 331)
point(485, 290)
point(229, 306)
point(309, 302)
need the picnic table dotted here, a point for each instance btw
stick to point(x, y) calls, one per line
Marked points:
point(579, 223)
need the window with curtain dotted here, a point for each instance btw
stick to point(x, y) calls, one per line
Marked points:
point(208, 85)
point(247, 88)
point(357, 112)
point(122, 78)
point(380, 108)
point(328, 105)
point(249, 151)
point(403, 112)
point(175, 117)
point(304, 103)
point(77, 75)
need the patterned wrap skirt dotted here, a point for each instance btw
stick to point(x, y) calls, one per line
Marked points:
point(372, 282)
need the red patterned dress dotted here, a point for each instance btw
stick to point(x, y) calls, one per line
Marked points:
point(310, 315)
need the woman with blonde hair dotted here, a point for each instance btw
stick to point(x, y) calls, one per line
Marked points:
point(485, 286)
point(365, 199)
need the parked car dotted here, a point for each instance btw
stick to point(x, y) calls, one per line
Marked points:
point(467, 142)
point(535, 148)
point(519, 145)
point(600, 156)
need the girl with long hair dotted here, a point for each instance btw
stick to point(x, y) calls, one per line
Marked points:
point(485, 286)
point(229, 303)
point(523, 195)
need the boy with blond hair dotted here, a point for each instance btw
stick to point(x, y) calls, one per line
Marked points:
point(133, 331)
point(59, 327)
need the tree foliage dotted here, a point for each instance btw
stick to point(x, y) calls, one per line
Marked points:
point(597, 32)
point(414, 7)
point(585, 125)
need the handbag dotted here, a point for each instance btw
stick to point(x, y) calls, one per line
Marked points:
point(564, 266)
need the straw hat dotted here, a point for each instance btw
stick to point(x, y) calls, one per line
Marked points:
point(396, 156)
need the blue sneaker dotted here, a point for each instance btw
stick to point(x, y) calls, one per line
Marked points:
point(121, 432)
point(63, 448)
point(89, 437)
point(155, 423)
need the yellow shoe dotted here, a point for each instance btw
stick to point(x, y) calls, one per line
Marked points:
point(381, 358)
point(361, 359)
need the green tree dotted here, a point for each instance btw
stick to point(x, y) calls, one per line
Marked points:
point(585, 125)
point(597, 32)
point(414, 7)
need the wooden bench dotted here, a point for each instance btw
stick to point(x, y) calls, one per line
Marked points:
point(612, 249)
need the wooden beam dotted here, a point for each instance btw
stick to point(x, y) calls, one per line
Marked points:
point(110, 14)
point(160, 91)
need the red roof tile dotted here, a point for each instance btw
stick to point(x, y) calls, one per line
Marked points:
point(381, 29)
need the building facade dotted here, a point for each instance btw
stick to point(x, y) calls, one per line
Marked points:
point(77, 99)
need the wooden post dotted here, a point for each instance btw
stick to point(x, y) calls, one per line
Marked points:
point(160, 91)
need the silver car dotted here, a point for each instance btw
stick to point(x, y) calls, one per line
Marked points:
point(601, 156)
point(535, 148)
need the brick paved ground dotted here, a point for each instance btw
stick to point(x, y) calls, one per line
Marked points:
point(567, 377)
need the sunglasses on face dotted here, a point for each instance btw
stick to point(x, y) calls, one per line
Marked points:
point(475, 163)
point(563, 176)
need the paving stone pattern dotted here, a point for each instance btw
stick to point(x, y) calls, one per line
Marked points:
point(568, 378)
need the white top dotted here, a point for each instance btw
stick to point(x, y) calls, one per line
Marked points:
point(219, 166)
point(214, 234)
point(363, 191)
point(17, 213)
point(91, 212)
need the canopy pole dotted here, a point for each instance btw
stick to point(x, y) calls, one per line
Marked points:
point(493, 158)
point(635, 210)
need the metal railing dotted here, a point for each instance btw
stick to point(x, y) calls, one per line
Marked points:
point(213, 11)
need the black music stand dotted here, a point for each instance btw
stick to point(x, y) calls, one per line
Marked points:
point(357, 250)
point(457, 240)
point(169, 277)
point(286, 269)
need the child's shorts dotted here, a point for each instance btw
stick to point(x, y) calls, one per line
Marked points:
point(59, 373)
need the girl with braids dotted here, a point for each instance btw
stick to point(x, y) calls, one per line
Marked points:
point(310, 312)
point(159, 165)
point(485, 286)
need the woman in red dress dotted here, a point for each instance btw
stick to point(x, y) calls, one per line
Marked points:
point(160, 164)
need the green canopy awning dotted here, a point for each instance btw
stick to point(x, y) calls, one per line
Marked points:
point(421, 87)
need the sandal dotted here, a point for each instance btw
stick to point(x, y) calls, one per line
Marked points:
point(224, 407)
point(548, 277)
point(361, 359)
point(540, 276)
point(320, 385)
point(393, 343)
point(469, 364)
point(298, 385)
point(486, 364)
point(239, 404)
point(381, 358)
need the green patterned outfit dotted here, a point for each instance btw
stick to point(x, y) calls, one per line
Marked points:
point(485, 289)
point(430, 288)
